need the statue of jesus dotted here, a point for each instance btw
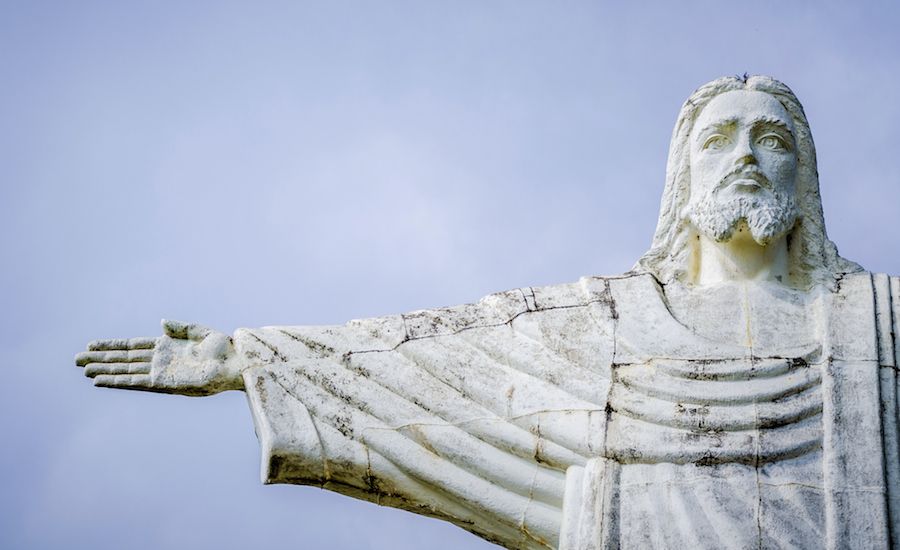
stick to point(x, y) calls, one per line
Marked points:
point(736, 389)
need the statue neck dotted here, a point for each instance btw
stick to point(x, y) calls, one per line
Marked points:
point(740, 259)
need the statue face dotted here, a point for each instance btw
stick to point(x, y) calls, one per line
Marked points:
point(743, 167)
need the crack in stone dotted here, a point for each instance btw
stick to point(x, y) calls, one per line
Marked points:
point(473, 327)
point(524, 520)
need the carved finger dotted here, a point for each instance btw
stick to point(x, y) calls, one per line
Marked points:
point(114, 356)
point(96, 369)
point(124, 381)
point(86, 357)
point(108, 344)
point(122, 343)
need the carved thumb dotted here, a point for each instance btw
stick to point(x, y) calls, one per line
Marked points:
point(185, 331)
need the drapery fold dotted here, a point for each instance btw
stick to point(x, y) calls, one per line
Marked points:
point(475, 414)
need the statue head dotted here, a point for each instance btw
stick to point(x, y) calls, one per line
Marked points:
point(743, 168)
point(716, 181)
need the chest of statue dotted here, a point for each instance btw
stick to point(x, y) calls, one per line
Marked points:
point(744, 390)
point(747, 411)
point(716, 442)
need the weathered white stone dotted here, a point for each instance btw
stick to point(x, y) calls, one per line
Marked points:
point(736, 389)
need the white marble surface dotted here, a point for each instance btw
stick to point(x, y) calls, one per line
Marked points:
point(736, 389)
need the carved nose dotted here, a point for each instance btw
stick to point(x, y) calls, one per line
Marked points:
point(746, 160)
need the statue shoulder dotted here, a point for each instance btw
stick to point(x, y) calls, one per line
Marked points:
point(862, 281)
point(504, 307)
point(278, 344)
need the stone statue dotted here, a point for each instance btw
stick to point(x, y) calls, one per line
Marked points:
point(736, 389)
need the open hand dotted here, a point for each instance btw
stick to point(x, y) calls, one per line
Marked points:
point(188, 359)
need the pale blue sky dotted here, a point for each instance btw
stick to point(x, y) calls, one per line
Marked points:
point(252, 163)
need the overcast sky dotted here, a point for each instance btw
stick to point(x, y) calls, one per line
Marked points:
point(253, 163)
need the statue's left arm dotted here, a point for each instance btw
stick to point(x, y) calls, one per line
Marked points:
point(470, 414)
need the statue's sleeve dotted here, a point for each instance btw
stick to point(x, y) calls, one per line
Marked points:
point(471, 414)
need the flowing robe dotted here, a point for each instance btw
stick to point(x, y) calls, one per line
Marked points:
point(586, 416)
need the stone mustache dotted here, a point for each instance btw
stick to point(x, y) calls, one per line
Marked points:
point(736, 389)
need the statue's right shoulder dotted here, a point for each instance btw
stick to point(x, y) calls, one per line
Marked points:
point(502, 308)
point(583, 292)
point(285, 343)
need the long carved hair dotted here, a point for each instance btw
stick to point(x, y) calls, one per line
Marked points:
point(813, 258)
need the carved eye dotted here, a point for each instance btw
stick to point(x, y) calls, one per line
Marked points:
point(716, 142)
point(773, 142)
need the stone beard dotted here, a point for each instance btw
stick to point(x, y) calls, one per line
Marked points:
point(727, 393)
point(768, 217)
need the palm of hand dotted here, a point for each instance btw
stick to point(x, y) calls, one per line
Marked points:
point(187, 360)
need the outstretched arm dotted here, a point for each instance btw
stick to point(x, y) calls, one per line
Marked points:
point(187, 359)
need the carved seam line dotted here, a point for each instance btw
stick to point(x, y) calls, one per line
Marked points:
point(310, 344)
point(516, 368)
point(422, 369)
point(489, 413)
point(270, 347)
point(353, 402)
point(326, 469)
point(424, 485)
point(558, 356)
point(553, 440)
